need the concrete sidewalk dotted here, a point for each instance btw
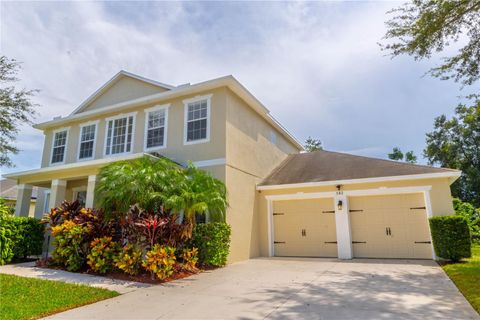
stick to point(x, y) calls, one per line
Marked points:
point(295, 289)
point(29, 270)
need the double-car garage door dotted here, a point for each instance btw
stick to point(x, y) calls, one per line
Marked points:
point(387, 226)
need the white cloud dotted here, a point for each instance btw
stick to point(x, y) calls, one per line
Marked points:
point(317, 66)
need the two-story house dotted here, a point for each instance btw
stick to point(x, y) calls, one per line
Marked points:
point(281, 201)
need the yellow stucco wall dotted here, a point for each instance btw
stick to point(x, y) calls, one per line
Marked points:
point(250, 157)
point(440, 197)
point(31, 209)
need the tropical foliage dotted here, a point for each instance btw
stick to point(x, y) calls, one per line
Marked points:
point(213, 243)
point(129, 259)
point(160, 261)
point(471, 215)
point(103, 252)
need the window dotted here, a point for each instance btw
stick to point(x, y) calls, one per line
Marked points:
point(81, 197)
point(197, 120)
point(119, 135)
point(59, 145)
point(156, 127)
point(46, 204)
point(87, 141)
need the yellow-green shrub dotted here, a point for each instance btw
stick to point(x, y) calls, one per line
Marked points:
point(190, 259)
point(101, 258)
point(70, 248)
point(160, 261)
point(129, 260)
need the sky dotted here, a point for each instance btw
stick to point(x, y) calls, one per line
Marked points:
point(316, 66)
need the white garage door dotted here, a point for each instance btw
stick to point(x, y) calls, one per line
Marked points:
point(304, 228)
point(393, 226)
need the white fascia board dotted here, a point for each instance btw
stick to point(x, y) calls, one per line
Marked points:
point(450, 174)
point(97, 162)
point(228, 81)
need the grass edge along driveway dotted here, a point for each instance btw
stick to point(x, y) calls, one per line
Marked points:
point(29, 298)
point(466, 276)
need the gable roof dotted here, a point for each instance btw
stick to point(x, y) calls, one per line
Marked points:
point(226, 81)
point(121, 74)
point(8, 190)
point(327, 167)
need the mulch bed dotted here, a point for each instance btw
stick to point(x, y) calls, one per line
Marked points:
point(142, 277)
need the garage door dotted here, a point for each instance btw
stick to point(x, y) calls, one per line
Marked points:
point(393, 226)
point(304, 228)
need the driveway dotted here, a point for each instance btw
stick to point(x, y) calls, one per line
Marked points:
point(282, 288)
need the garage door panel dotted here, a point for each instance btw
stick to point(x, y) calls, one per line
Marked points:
point(303, 228)
point(390, 227)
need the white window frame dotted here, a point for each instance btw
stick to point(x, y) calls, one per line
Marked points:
point(67, 129)
point(81, 126)
point(164, 107)
point(76, 190)
point(120, 116)
point(46, 201)
point(186, 102)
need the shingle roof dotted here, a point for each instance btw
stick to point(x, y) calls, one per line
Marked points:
point(8, 189)
point(320, 166)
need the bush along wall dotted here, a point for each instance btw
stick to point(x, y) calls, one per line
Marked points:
point(213, 242)
point(20, 237)
point(451, 237)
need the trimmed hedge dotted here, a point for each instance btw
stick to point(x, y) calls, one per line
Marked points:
point(213, 242)
point(451, 237)
point(20, 237)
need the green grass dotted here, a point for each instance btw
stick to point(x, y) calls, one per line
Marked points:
point(28, 298)
point(466, 276)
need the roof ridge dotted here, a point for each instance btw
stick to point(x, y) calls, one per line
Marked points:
point(387, 160)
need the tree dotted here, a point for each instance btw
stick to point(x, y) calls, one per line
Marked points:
point(421, 28)
point(312, 144)
point(398, 155)
point(455, 143)
point(15, 109)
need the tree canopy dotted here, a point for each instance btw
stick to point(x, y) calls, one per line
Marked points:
point(398, 155)
point(312, 144)
point(455, 143)
point(15, 109)
point(421, 28)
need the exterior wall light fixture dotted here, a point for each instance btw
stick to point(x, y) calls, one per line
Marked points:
point(340, 205)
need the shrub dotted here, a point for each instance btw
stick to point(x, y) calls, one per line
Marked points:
point(471, 214)
point(451, 237)
point(102, 254)
point(129, 259)
point(30, 237)
point(7, 237)
point(160, 261)
point(213, 242)
point(190, 259)
point(70, 247)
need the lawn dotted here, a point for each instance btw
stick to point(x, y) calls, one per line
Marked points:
point(466, 276)
point(28, 298)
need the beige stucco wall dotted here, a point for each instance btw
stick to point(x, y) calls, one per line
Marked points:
point(175, 149)
point(31, 209)
point(440, 197)
point(250, 157)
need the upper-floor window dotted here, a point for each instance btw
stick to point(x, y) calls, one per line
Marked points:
point(197, 120)
point(119, 135)
point(86, 148)
point(156, 119)
point(59, 146)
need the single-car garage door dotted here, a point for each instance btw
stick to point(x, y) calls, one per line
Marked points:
point(304, 228)
point(393, 226)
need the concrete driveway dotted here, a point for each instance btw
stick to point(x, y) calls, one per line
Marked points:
point(282, 288)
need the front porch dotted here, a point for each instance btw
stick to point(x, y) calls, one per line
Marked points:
point(75, 181)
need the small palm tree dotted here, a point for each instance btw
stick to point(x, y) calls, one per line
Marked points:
point(198, 193)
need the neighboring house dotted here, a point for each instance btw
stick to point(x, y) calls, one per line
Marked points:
point(281, 201)
point(8, 192)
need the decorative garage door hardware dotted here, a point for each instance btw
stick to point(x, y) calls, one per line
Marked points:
point(278, 242)
point(304, 233)
point(418, 208)
point(388, 231)
point(329, 211)
point(359, 242)
point(278, 214)
point(423, 241)
point(333, 242)
point(359, 210)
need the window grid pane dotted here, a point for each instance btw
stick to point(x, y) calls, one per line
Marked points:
point(87, 142)
point(197, 118)
point(59, 143)
point(119, 135)
point(156, 129)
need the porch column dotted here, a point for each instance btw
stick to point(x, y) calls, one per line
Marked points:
point(57, 192)
point(90, 200)
point(24, 196)
point(342, 222)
